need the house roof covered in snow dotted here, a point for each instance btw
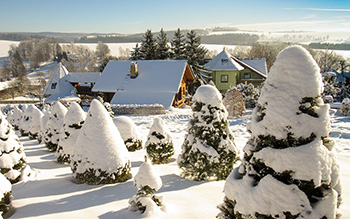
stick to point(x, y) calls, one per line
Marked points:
point(83, 77)
point(256, 65)
point(223, 62)
point(157, 82)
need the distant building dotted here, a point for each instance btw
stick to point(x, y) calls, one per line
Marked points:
point(228, 71)
point(69, 86)
point(145, 82)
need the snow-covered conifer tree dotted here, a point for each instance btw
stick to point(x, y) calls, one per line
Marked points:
point(47, 112)
point(35, 122)
point(24, 120)
point(100, 155)
point(234, 102)
point(17, 113)
point(54, 126)
point(208, 151)
point(159, 145)
point(5, 194)
point(147, 182)
point(289, 169)
point(345, 107)
point(129, 133)
point(12, 157)
point(72, 123)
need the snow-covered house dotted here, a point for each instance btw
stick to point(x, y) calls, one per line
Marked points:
point(228, 71)
point(145, 82)
point(53, 84)
point(65, 85)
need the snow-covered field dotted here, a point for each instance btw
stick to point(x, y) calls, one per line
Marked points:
point(52, 194)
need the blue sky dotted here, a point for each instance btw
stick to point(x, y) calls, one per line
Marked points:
point(136, 16)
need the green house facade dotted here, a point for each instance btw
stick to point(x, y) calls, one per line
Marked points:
point(228, 71)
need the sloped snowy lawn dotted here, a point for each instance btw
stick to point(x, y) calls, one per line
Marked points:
point(53, 194)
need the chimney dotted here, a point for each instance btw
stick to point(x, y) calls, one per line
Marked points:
point(133, 70)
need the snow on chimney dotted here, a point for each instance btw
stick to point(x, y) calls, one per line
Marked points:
point(133, 70)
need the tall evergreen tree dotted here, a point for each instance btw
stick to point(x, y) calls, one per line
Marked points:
point(195, 55)
point(135, 53)
point(163, 50)
point(148, 46)
point(208, 151)
point(178, 45)
point(289, 168)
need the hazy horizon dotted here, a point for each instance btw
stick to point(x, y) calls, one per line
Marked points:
point(108, 16)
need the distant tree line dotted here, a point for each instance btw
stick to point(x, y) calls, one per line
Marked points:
point(224, 39)
point(331, 46)
point(19, 36)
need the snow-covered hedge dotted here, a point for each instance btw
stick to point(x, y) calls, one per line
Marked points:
point(208, 151)
point(147, 182)
point(100, 155)
point(5, 194)
point(159, 145)
point(72, 123)
point(345, 107)
point(54, 126)
point(289, 168)
point(250, 94)
point(129, 132)
point(138, 109)
point(12, 157)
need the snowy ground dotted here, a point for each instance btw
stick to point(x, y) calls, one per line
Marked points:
point(53, 194)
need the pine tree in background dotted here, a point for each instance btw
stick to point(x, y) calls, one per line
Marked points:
point(234, 102)
point(163, 50)
point(178, 46)
point(149, 46)
point(100, 155)
point(12, 156)
point(208, 151)
point(5, 194)
point(159, 145)
point(147, 182)
point(73, 121)
point(289, 168)
point(136, 53)
point(195, 54)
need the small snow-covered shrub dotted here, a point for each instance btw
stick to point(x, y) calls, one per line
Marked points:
point(234, 102)
point(129, 133)
point(24, 121)
point(108, 108)
point(289, 169)
point(159, 145)
point(47, 112)
point(34, 121)
point(100, 155)
point(250, 94)
point(54, 126)
point(17, 115)
point(72, 123)
point(345, 107)
point(208, 151)
point(5, 194)
point(12, 157)
point(147, 182)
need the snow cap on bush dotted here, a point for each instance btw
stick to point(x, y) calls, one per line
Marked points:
point(208, 94)
point(99, 145)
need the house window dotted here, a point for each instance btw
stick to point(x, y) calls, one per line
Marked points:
point(247, 75)
point(224, 78)
point(224, 61)
point(53, 85)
